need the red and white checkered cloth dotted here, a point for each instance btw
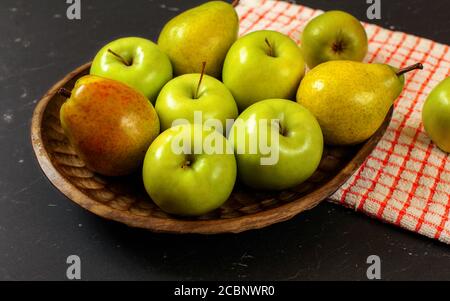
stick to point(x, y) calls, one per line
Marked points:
point(406, 180)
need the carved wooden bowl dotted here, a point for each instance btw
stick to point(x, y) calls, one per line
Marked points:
point(124, 199)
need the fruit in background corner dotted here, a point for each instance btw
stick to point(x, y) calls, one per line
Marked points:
point(262, 65)
point(299, 144)
point(351, 99)
point(136, 62)
point(109, 124)
point(184, 95)
point(188, 184)
point(203, 33)
point(334, 35)
point(436, 115)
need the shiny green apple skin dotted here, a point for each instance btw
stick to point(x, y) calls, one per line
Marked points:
point(191, 190)
point(177, 100)
point(436, 115)
point(253, 74)
point(334, 35)
point(300, 146)
point(150, 68)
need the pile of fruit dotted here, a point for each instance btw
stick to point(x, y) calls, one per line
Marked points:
point(202, 109)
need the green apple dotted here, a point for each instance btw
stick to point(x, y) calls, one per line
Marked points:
point(191, 95)
point(193, 180)
point(137, 62)
point(436, 115)
point(278, 144)
point(334, 35)
point(261, 65)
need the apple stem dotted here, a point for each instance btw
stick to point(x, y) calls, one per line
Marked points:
point(186, 164)
point(64, 92)
point(410, 68)
point(119, 57)
point(270, 47)
point(281, 129)
point(235, 3)
point(200, 81)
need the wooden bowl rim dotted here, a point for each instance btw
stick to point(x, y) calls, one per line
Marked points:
point(172, 225)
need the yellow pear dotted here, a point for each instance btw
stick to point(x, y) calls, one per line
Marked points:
point(201, 34)
point(351, 99)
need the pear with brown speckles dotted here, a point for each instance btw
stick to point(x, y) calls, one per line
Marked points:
point(351, 99)
point(109, 124)
point(201, 34)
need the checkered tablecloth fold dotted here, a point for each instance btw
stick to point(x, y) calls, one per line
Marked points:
point(406, 180)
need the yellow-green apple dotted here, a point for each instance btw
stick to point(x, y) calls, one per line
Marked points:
point(191, 95)
point(261, 65)
point(109, 124)
point(136, 62)
point(436, 115)
point(334, 35)
point(189, 170)
point(278, 144)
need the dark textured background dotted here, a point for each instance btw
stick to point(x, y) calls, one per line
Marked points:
point(39, 227)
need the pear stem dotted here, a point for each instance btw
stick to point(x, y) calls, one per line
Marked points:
point(235, 3)
point(119, 57)
point(64, 93)
point(270, 47)
point(200, 81)
point(410, 68)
